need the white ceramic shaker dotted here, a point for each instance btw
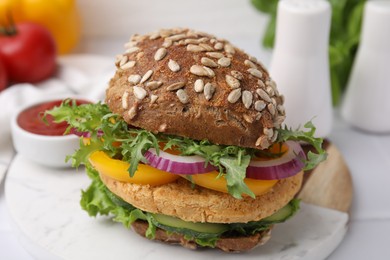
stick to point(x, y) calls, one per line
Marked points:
point(300, 64)
point(366, 103)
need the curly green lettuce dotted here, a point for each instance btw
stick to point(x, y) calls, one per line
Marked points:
point(232, 161)
point(98, 200)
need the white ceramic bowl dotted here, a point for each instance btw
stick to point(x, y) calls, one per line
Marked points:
point(43, 149)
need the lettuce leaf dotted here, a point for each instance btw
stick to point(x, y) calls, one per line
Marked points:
point(111, 134)
point(98, 200)
point(313, 159)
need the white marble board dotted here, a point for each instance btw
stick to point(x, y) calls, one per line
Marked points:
point(44, 204)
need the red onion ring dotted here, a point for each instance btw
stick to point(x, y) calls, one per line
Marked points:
point(177, 164)
point(291, 163)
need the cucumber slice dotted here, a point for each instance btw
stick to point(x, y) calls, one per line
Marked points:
point(118, 201)
point(193, 229)
point(284, 213)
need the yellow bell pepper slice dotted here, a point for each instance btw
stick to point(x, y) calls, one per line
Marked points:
point(117, 169)
point(210, 181)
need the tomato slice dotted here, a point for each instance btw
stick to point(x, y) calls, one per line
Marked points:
point(210, 181)
point(117, 170)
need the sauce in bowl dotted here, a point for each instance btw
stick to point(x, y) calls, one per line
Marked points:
point(31, 119)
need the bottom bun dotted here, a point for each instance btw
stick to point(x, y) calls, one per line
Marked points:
point(227, 244)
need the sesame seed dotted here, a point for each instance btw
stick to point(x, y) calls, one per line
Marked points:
point(208, 62)
point(272, 84)
point(134, 79)
point(255, 72)
point(198, 70)
point(152, 85)
point(132, 49)
point(199, 85)
point(123, 60)
point(247, 118)
point(176, 37)
point(262, 142)
point(232, 82)
point(118, 58)
point(234, 95)
point(224, 62)
point(162, 127)
point(206, 47)
point(210, 72)
point(153, 98)
point(128, 65)
point(192, 33)
point(125, 103)
point(214, 54)
point(146, 76)
point(132, 112)
point(140, 55)
point(182, 95)
point(270, 91)
point(154, 36)
point(247, 98)
point(250, 64)
point(261, 83)
point(130, 44)
point(139, 93)
point(236, 74)
point(173, 65)
point(263, 95)
point(278, 121)
point(259, 105)
point(269, 132)
point(271, 109)
point(209, 90)
point(229, 48)
point(194, 48)
point(165, 33)
point(218, 46)
point(253, 59)
point(258, 116)
point(191, 41)
point(167, 43)
point(203, 39)
point(281, 109)
point(176, 86)
point(160, 54)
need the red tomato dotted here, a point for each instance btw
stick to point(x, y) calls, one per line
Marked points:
point(3, 76)
point(29, 54)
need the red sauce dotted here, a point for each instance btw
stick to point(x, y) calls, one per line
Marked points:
point(31, 119)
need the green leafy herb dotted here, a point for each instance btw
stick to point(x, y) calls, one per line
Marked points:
point(111, 134)
point(235, 174)
point(134, 150)
point(85, 118)
point(344, 37)
point(313, 159)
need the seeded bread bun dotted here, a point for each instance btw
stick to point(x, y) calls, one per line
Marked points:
point(197, 204)
point(191, 84)
point(227, 244)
